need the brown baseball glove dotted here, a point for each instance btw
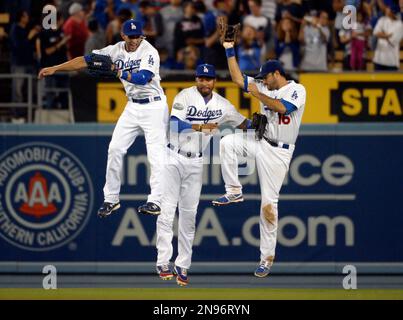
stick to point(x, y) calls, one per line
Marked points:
point(228, 33)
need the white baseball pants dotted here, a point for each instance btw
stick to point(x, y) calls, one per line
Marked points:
point(272, 165)
point(151, 119)
point(182, 187)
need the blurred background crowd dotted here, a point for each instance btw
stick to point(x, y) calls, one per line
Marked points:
point(305, 35)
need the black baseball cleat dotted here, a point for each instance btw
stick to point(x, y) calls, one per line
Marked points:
point(107, 208)
point(149, 208)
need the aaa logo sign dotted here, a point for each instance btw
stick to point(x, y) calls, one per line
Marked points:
point(45, 196)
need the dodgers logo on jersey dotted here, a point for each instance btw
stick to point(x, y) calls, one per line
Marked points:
point(46, 196)
point(150, 60)
point(202, 115)
point(129, 65)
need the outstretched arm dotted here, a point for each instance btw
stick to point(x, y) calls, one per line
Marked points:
point(236, 74)
point(72, 65)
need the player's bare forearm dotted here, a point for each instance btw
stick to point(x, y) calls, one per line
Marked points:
point(236, 74)
point(243, 125)
point(71, 65)
point(273, 104)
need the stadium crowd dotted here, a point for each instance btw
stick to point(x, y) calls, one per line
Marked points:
point(305, 35)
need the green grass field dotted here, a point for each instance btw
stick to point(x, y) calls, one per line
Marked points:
point(200, 294)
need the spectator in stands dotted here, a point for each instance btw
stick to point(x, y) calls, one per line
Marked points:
point(171, 14)
point(188, 58)
point(166, 62)
point(14, 7)
point(287, 45)
point(251, 54)
point(76, 28)
point(290, 9)
point(53, 50)
point(269, 9)
point(96, 39)
point(389, 32)
point(314, 36)
point(104, 11)
point(134, 8)
point(338, 22)
point(234, 10)
point(359, 37)
point(152, 21)
point(260, 23)
point(345, 36)
point(22, 44)
point(214, 52)
point(3, 34)
point(113, 28)
point(190, 30)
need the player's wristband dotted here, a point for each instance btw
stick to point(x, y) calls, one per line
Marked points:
point(245, 83)
point(230, 52)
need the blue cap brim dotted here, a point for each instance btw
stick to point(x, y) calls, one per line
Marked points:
point(205, 76)
point(260, 75)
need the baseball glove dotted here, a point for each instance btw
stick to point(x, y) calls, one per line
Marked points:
point(99, 65)
point(228, 33)
point(259, 122)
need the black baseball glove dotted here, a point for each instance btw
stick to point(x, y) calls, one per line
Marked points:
point(99, 65)
point(259, 122)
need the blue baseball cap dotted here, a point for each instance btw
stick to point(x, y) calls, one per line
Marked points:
point(132, 27)
point(205, 70)
point(269, 67)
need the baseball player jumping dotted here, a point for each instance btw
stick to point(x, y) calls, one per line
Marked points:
point(196, 111)
point(282, 102)
point(136, 63)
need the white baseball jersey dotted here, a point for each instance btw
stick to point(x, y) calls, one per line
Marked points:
point(283, 128)
point(189, 106)
point(183, 177)
point(149, 118)
point(144, 58)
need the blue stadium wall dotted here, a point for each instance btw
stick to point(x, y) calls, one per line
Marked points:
point(340, 204)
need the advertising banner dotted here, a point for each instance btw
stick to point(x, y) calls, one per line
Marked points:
point(331, 97)
point(339, 202)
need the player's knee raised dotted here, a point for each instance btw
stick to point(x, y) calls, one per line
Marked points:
point(116, 148)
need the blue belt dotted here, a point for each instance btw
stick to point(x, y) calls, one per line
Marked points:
point(146, 100)
point(274, 144)
point(184, 153)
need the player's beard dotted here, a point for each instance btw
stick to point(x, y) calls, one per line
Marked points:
point(204, 91)
point(272, 85)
